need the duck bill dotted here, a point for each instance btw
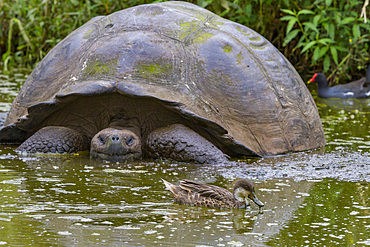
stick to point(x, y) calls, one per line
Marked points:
point(254, 198)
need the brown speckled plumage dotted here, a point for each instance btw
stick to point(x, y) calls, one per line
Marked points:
point(206, 195)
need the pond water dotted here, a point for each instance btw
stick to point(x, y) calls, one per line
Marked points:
point(316, 198)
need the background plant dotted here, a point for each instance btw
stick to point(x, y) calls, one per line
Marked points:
point(30, 28)
point(330, 36)
point(315, 35)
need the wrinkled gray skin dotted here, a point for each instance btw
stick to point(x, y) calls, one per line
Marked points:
point(167, 80)
point(124, 137)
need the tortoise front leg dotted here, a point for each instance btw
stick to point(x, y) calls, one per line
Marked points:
point(55, 139)
point(180, 143)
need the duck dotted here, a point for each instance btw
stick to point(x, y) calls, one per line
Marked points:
point(190, 192)
point(355, 89)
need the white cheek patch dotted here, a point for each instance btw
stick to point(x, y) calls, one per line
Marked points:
point(348, 94)
point(240, 194)
point(367, 94)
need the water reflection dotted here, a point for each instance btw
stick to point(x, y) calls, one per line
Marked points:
point(312, 198)
point(10, 84)
point(346, 123)
point(336, 213)
point(69, 200)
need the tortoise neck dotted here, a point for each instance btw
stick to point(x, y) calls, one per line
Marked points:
point(128, 124)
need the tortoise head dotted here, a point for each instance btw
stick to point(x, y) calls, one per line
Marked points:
point(115, 145)
point(244, 189)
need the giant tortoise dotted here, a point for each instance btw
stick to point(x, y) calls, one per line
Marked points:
point(164, 80)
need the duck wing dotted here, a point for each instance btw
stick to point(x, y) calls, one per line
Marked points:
point(207, 190)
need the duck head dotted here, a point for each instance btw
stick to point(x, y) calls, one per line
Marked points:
point(244, 189)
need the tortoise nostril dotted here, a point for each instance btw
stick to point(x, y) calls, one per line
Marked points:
point(115, 138)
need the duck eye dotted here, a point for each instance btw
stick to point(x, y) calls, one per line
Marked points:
point(130, 141)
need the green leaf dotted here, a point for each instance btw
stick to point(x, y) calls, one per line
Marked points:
point(356, 31)
point(326, 26)
point(337, 17)
point(366, 26)
point(325, 41)
point(290, 36)
point(22, 31)
point(248, 9)
point(287, 18)
point(340, 48)
point(334, 54)
point(323, 51)
point(316, 20)
point(347, 20)
point(328, 2)
point(316, 53)
point(310, 26)
point(225, 4)
point(204, 3)
point(326, 63)
point(290, 25)
point(305, 12)
point(288, 11)
point(331, 31)
point(308, 46)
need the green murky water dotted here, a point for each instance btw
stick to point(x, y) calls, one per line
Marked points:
point(319, 198)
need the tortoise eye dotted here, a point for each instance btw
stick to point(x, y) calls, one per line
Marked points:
point(130, 141)
point(101, 139)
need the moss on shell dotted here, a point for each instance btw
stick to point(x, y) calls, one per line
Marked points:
point(197, 27)
point(149, 70)
point(97, 67)
point(255, 38)
point(239, 58)
point(202, 37)
point(227, 48)
point(88, 33)
point(243, 32)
